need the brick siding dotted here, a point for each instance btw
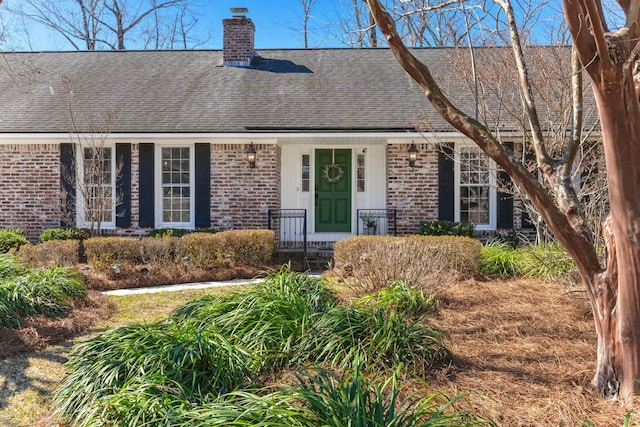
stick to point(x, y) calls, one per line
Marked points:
point(413, 191)
point(30, 194)
point(241, 196)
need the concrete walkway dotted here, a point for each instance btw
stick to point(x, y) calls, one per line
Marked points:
point(184, 286)
point(181, 287)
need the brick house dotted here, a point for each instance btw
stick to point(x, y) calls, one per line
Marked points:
point(332, 130)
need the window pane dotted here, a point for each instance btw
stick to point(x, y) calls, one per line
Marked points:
point(305, 172)
point(475, 184)
point(176, 180)
point(360, 172)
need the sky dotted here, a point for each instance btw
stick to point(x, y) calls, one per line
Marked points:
point(278, 25)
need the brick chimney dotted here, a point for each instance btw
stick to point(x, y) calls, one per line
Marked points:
point(238, 39)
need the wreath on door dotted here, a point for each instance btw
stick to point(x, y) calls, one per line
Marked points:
point(332, 172)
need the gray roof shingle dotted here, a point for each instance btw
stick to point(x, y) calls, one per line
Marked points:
point(190, 92)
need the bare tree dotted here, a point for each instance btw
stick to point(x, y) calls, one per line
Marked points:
point(111, 24)
point(609, 59)
point(91, 176)
point(306, 10)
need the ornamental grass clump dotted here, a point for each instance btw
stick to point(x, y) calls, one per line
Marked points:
point(118, 374)
point(380, 339)
point(407, 299)
point(499, 259)
point(38, 292)
point(267, 319)
point(352, 399)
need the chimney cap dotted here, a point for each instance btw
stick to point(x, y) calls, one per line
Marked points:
point(239, 11)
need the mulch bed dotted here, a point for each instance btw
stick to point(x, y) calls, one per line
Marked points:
point(38, 332)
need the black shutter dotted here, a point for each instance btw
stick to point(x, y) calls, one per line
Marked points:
point(505, 199)
point(146, 187)
point(446, 181)
point(67, 185)
point(202, 185)
point(123, 185)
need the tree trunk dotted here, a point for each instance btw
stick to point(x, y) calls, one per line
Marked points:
point(618, 289)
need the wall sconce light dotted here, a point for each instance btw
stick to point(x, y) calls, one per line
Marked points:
point(251, 155)
point(413, 154)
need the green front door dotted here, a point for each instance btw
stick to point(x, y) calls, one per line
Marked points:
point(333, 190)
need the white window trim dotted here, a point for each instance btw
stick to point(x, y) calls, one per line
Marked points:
point(158, 186)
point(80, 200)
point(492, 225)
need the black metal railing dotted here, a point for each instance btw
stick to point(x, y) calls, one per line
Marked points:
point(378, 222)
point(290, 226)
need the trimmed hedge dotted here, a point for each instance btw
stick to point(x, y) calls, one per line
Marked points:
point(251, 248)
point(448, 228)
point(376, 261)
point(103, 252)
point(51, 253)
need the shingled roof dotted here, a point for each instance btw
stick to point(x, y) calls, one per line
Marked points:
point(292, 90)
point(288, 90)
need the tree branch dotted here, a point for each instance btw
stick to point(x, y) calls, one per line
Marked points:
point(573, 240)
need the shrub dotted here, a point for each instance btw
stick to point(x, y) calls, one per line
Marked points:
point(373, 262)
point(250, 248)
point(11, 238)
point(447, 228)
point(103, 252)
point(178, 232)
point(62, 233)
point(499, 258)
point(164, 251)
point(204, 250)
point(51, 253)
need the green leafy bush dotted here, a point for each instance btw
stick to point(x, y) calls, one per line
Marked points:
point(63, 233)
point(447, 228)
point(499, 258)
point(11, 238)
point(51, 253)
point(200, 367)
point(371, 263)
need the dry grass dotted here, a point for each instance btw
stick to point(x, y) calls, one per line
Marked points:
point(526, 350)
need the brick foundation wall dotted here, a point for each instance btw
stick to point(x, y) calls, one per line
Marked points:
point(30, 187)
point(413, 191)
point(241, 196)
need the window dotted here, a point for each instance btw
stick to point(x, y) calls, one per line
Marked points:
point(476, 194)
point(176, 186)
point(97, 189)
point(305, 172)
point(360, 173)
